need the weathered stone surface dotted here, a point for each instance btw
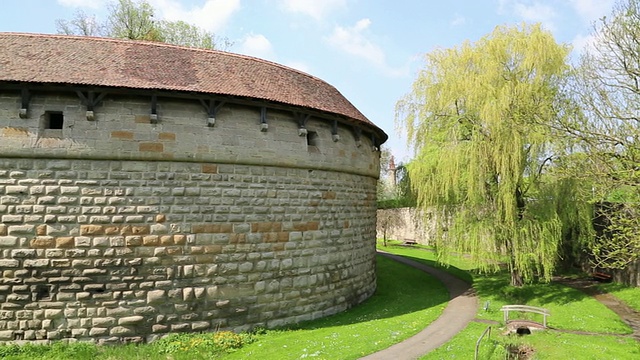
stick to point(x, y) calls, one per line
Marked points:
point(124, 248)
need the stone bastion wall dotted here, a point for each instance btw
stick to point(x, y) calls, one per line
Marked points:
point(120, 227)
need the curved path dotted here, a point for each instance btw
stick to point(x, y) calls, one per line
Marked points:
point(462, 308)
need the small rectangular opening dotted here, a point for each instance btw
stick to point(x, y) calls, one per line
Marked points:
point(312, 138)
point(53, 119)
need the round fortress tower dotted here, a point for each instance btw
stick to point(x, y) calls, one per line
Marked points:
point(147, 188)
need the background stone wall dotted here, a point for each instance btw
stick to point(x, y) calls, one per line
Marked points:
point(406, 224)
point(119, 230)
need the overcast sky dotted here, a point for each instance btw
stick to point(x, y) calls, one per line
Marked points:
point(370, 50)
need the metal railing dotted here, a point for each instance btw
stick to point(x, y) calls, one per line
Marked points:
point(524, 308)
point(487, 330)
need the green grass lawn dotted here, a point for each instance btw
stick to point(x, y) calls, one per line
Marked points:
point(570, 310)
point(630, 295)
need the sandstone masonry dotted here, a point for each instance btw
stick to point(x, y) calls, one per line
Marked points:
point(124, 228)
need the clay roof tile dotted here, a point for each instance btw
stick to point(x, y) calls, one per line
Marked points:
point(145, 65)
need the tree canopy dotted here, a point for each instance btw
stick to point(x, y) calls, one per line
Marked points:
point(605, 134)
point(478, 117)
point(134, 20)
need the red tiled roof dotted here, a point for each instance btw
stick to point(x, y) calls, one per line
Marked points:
point(81, 60)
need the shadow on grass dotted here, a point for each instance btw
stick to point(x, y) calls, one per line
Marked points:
point(465, 275)
point(401, 290)
point(497, 286)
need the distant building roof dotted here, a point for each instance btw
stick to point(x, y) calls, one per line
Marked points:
point(81, 60)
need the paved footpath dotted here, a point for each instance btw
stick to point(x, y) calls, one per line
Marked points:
point(462, 308)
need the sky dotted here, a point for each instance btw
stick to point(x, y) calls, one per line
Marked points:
point(370, 50)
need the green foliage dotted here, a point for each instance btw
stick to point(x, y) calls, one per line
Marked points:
point(603, 131)
point(184, 34)
point(394, 186)
point(479, 117)
point(209, 343)
point(617, 243)
point(396, 203)
point(57, 351)
point(134, 20)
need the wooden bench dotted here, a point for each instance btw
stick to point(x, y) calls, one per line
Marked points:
point(409, 242)
point(602, 277)
point(524, 308)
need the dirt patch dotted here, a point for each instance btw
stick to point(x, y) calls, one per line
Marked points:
point(520, 352)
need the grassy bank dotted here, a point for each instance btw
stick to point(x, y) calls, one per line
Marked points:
point(571, 310)
point(405, 302)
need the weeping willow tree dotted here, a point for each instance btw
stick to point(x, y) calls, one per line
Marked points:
point(478, 118)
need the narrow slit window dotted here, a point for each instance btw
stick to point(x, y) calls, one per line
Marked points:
point(312, 138)
point(54, 120)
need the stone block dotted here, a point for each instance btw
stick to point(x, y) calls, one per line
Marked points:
point(180, 327)
point(9, 263)
point(9, 219)
point(209, 168)
point(8, 241)
point(35, 263)
point(131, 320)
point(157, 229)
point(150, 147)
point(90, 230)
point(42, 242)
point(156, 296)
point(53, 313)
point(121, 331)
point(122, 135)
point(159, 328)
point(145, 310)
point(98, 331)
point(16, 190)
point(24, 229)
point(200, 325)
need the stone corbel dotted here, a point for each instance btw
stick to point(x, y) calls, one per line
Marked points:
point(357, 134)
point(302, 123)
point(264, 126)
point(212, 107)
point(334, 131)
point(90, 101)
point(374, 146)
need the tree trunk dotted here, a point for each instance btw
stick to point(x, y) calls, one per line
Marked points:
point(516, 278)
point(384, 238)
